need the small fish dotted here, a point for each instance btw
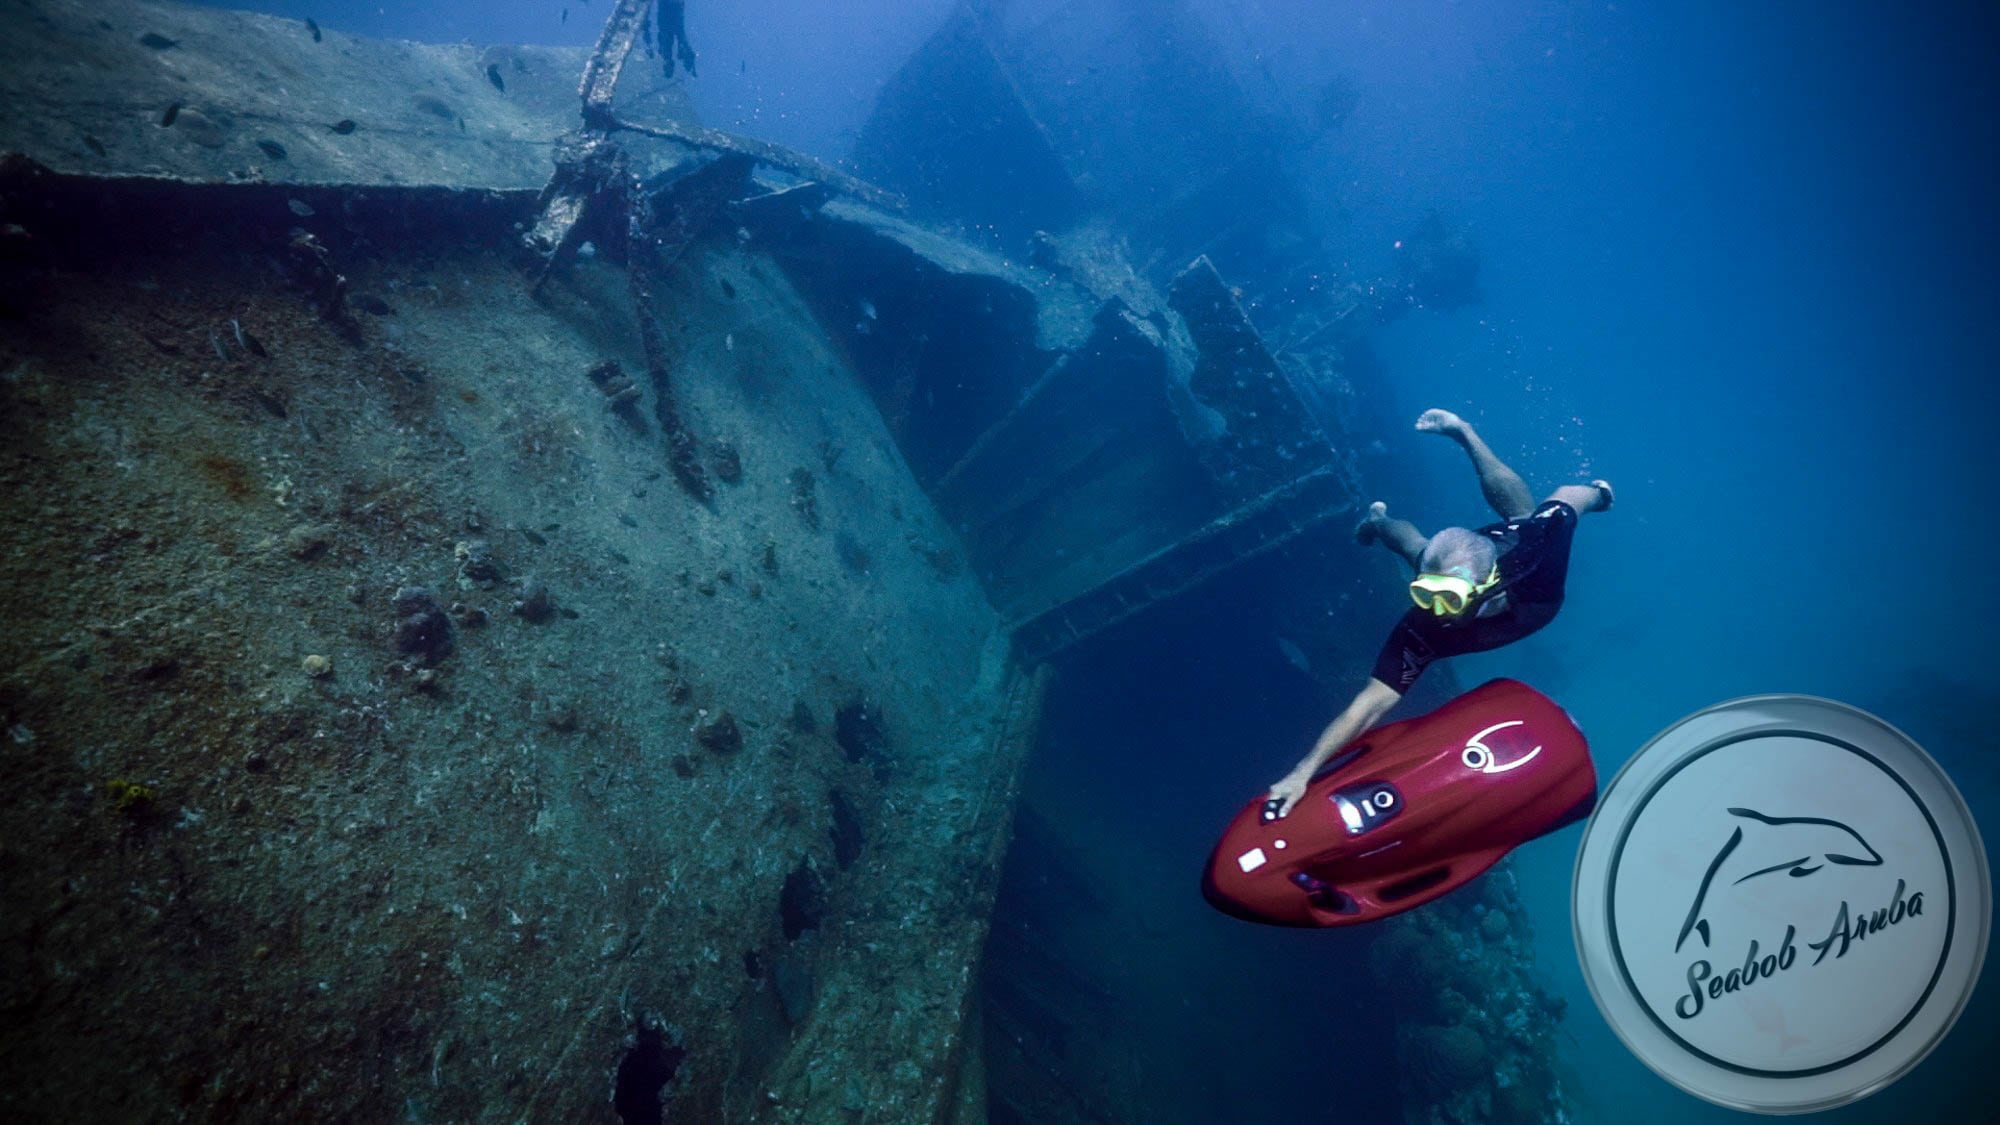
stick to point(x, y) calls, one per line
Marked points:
point(493, 76)
point(728, 290)
point(371, 304)
point(1294, 655)
point(312, 27)
point(248, 343)
point(344, 126)
point(534, 537)
point(565, 15)
point(743, 67)
point(300, 208)
point(868, 309)
point(167, 118)
point(157, 41)
point(93, 144)
point(272, 149)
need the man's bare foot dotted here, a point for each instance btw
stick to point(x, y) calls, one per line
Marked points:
point(1364, 532)
point(1444, 422)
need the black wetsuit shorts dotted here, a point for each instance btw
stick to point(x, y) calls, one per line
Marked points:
point(1534, 565)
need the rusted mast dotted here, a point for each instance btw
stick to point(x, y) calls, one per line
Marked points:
point(607, 61)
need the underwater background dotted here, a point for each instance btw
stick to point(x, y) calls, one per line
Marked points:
point(1738, 259)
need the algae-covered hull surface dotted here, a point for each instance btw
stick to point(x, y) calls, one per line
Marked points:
point(452, 678)
point(389, 734)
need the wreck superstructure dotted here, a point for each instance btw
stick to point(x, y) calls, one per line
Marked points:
point(1115, 143)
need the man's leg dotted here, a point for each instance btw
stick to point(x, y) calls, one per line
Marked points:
point(1504, 488)
point(1593, 497)
point(1400, 536)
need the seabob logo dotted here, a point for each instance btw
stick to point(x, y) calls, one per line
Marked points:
point(1819, 842)
point(1781, 904)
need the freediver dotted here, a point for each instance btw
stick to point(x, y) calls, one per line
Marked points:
point(1475, 589)
point(673, 36)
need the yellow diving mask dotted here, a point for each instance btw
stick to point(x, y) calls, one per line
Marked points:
point(1448, 595)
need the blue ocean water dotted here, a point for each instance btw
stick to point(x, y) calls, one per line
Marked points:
point(1738, 259)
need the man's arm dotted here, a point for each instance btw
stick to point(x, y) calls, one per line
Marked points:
point(1374, 701)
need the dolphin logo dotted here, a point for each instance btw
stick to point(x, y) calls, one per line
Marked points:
point(1815, 837)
